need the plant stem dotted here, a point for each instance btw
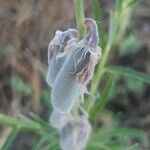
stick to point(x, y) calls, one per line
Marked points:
point(98, 18)
point(100, 69)
point(79, 14)
point(103, 99)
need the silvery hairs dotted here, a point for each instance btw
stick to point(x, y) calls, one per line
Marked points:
point(75, 134)
point(56, 47)
point(71, 66)
point(76, 71)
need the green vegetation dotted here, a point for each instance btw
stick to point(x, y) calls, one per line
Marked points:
point(102, 138)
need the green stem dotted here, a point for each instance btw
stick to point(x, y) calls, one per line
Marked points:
point(103, 99)
point(100, 69)
point(81, 28)
point(79, 14)
point(99, 74)
point(98, 18)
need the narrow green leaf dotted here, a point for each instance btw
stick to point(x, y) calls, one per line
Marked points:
point(38, 119)
point(132, 2)
point(121, 132)
point(52, 146)
point(100, 104)
point(98, 17)
point(118, 6)
point(42, 123)
point(128, 72)
point(9, 139)
point(39, 144)
point(97, 144)
point(17, 123)
point(113, 25)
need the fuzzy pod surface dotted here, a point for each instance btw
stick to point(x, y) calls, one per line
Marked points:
point(75, 134)
point(56, 47)
point(76, 71)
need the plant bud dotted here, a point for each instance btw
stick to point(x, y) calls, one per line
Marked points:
point(75, 134)
point(76, 71)
point(56, 47)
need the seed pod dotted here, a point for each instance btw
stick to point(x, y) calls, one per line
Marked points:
point(76, 71)
point(59, 120)
point(56, 47)
point(75, 134)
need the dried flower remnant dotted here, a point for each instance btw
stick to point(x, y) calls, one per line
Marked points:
point(56, 47)
point(75, 134)
point(76, 71)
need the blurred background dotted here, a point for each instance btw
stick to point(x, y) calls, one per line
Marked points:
point(26, 28)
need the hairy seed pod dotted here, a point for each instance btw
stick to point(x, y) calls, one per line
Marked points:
point(75, 134)
point(76, 71)
point(56, 47)
point(59, 120)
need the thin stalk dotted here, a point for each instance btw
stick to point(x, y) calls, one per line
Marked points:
point(98, 17)
point(100, 69)
point(79, 14)
point(81, 28)
point(115, 28)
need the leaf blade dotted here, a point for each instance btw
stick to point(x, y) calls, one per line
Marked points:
point(113, 26)
point(122, 132)
point(128, 72)
point(13, 134)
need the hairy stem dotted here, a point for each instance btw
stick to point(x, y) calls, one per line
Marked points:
point(79, 14)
